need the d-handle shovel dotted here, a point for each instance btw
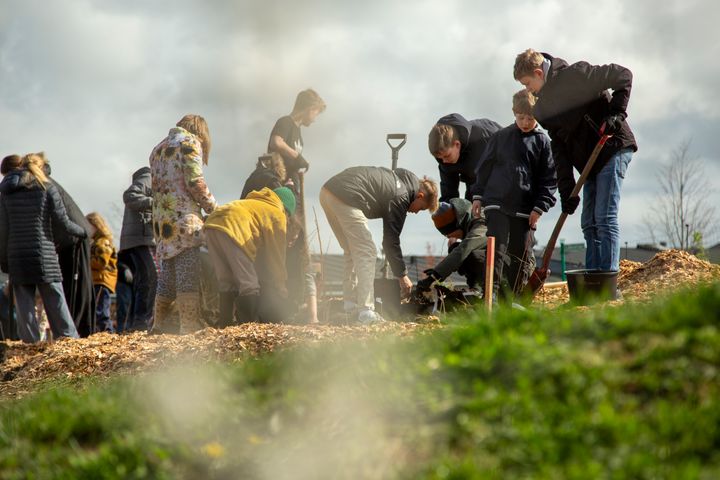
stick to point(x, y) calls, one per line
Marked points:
point(395, 148)
point(538, 277)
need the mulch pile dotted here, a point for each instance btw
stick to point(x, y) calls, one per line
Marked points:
point(23, 366)
point(667, 271)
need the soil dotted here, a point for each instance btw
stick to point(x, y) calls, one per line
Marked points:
point(24, 368)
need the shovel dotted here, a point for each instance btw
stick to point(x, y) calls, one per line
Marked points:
point(395, 148)
point(538, 277)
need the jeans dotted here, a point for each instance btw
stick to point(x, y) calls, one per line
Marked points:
point(599, 220)
point(123, 293)
point(53, 297)
point(103, 322)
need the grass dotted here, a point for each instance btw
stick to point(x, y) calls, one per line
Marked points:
point(630, 392)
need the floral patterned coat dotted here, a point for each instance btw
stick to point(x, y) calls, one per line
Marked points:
point(179, 193)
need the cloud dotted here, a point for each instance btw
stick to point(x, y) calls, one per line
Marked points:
point(97, 84)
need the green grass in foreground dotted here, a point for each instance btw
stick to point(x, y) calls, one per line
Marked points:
point(621, 393)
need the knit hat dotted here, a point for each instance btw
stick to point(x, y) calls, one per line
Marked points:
point(287, 197)
point(445, 219)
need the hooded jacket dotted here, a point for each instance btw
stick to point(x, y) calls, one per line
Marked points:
point(473, 136)
point(380, 193)
point(256, 223)
point(28, 213)
point(474, 237)
point(572, 95)
point(516, 174)
point(137, 227)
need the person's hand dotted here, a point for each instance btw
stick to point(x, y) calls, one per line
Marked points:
point(613, 123)
point(476, 209)
point(426, 283)
point(569, 205)
point(405, 285)
point(532, 221)
point(302, 163)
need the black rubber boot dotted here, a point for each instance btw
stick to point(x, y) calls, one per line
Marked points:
point(246, 307)
point(226, 316)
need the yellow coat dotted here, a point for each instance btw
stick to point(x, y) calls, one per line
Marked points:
point(254, 223)
point(103, 262)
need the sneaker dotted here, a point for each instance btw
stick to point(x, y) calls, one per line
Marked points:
point(369, 317)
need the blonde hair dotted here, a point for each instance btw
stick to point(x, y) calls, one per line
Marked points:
point(523, 102)
point(102, 229)
point(527, 62)
point(441, 137)
point(306, 100)
point(197, 125)
point(430, 188)
point(35, 164)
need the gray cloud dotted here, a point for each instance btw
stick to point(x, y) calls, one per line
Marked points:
point(96, 84)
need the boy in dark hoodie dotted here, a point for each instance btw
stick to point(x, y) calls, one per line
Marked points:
point(457, 145)
point(515, 185)
point(467, 257)
point(573, 101)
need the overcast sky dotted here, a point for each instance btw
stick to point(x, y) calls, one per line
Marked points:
point(97, 84)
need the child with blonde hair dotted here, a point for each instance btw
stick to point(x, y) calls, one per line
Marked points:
point(103, 262)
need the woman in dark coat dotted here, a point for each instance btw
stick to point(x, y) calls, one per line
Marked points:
point(74, 258)
point(30, 209)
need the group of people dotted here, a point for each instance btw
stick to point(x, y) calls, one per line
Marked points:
point(256, 247)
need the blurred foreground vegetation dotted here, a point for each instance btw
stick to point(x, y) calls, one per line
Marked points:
point(630, 392)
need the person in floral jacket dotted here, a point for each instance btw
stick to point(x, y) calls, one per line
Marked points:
point(180, 193)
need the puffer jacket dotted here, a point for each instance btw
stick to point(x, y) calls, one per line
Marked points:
point(28, 213)
point(103, 261)
point(179, 192)
point(380, 193)
point(137, 227)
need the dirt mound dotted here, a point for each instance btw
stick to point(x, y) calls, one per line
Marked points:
point(22, 366)
point(666, 271)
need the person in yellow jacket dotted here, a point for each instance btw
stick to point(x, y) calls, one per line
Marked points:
point(103, 263)
point(238, 235)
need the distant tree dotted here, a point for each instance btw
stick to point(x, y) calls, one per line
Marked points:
point(683, 212)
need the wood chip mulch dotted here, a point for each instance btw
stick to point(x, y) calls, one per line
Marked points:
point(23, 367)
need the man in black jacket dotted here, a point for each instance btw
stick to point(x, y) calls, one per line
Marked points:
point(457, 145)
point(137, 249)
point(572, 102)
point(357, 194)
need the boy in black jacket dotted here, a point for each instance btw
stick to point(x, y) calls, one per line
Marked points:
point(357, 194)
point(515, 185)
point(573, 101)
point(457, 145)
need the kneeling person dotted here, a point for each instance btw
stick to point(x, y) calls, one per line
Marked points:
point(454, 219)
point(237, 233)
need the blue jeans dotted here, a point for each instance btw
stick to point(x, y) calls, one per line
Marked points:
point(53, 297)
point(599, 220)
point(103, 322)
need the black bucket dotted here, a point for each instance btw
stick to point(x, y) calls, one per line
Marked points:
point(586, 286)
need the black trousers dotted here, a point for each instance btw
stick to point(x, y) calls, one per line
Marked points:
point(512, 250)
